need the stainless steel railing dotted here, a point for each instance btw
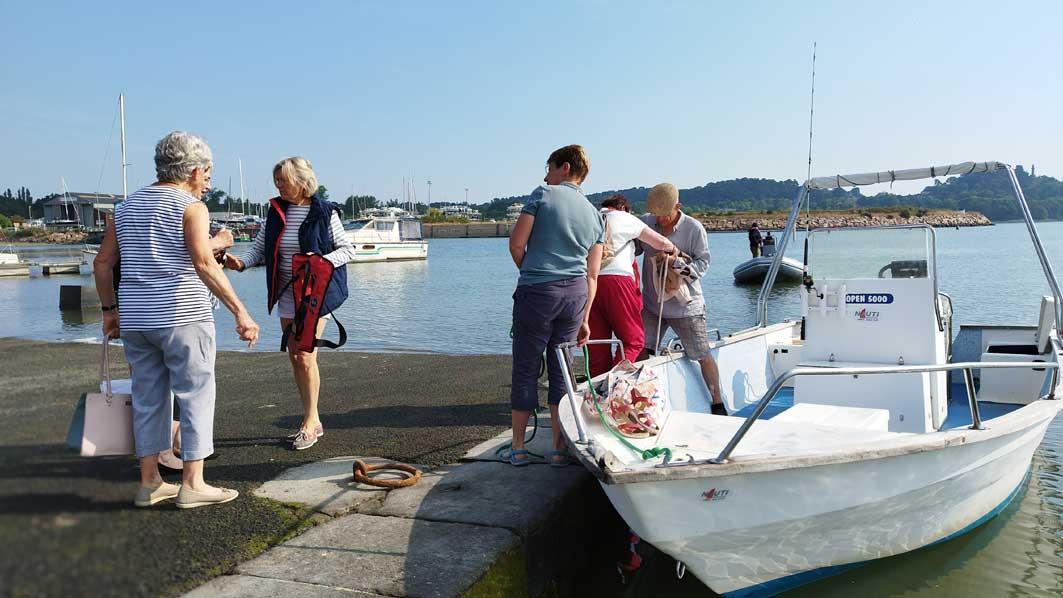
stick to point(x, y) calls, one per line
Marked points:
point(564, 356)
point(968, 377)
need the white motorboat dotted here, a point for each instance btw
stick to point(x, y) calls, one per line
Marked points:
point(386, 237)
point(862, 430)
point(755, 269)
point(11, 265)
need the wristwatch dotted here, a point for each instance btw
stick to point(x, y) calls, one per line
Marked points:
point(109, 307)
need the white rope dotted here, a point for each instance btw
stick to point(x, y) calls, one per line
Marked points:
point(660, 302)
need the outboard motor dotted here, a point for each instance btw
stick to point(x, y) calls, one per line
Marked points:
point(768, 248)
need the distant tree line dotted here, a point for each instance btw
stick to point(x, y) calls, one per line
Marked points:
point(988, 193)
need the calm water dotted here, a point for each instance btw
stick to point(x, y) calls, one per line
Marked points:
point(458, 301)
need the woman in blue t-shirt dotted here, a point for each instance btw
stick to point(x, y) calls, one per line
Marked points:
point(557, 245)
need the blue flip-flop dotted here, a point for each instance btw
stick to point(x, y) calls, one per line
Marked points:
point(510, 457)
point(552, 457)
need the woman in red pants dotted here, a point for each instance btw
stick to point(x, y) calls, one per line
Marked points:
point(617, 308)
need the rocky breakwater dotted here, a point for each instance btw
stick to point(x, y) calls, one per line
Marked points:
point(32, 235)
point(849, 219)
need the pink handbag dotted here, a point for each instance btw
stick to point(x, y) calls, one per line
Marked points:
point(108, 418)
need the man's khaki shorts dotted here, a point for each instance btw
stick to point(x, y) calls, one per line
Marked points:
point(692, 332)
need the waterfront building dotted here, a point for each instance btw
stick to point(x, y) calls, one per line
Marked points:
point(386, 212)
point(513, 211)
point(79, 210)
point(461, 211)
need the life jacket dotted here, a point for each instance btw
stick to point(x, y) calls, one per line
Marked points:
point(315, 236)
point(319, 288)
point(311, 276)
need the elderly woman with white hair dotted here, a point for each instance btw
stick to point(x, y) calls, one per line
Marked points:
point(160, 235)
point(299, 222)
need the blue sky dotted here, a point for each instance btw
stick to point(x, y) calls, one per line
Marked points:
point(476, 94)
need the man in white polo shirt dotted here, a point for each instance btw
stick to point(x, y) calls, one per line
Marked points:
point(686, 319)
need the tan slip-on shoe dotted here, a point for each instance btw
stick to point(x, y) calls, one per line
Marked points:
point(190, 499)
point(147, 496)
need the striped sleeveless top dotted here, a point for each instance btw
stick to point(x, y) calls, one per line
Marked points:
point(159, 287)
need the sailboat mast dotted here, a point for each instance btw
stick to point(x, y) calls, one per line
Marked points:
point(121, 111)
point(242, 195)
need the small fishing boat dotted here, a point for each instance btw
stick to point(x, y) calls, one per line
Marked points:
point(391, 235)
point(862, 429)
point(754, 270)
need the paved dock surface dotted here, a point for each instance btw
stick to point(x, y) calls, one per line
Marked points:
point(68, 523)
point(479, 527)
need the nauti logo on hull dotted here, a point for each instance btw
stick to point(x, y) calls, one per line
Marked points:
point(713, 494)
point(866, 315)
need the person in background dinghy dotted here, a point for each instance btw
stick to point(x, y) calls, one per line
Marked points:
point(755, 240)
point(299, 221)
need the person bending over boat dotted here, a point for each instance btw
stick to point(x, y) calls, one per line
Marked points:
point(160, 235)
point(687, 319)
point(557, 245)
point(617, 307)
point(299, 221)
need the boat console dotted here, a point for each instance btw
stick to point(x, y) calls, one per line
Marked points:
point(873, 302)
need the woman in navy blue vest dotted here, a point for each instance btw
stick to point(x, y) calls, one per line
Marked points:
point(299, 221)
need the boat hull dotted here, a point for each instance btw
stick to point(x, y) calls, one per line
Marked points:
point(14, 270)
point(756, 269)
point(390, 252)
point(765, 532)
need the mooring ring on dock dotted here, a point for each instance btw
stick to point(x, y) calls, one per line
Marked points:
point(361, 474)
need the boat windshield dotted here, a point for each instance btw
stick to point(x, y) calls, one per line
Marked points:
point(410, 228)
point(355, 225)
point(901, 252)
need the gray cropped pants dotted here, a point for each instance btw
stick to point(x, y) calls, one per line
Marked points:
point(178, 360)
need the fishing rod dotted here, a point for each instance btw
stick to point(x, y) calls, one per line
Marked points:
point(806, 279)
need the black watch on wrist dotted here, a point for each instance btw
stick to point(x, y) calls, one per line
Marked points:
point(109, 307)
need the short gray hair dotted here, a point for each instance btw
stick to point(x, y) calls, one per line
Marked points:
point(178, 154)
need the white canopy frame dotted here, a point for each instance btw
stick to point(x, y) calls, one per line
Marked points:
point(912, 174)
point(889, 176)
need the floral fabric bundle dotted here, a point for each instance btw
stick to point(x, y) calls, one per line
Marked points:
point(632, 404)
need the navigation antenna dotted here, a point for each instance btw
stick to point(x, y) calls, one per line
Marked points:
point(811, 112)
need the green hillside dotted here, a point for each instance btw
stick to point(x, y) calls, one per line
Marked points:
point(988, 193)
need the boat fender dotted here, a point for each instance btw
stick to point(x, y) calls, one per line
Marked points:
point(629, 567)
point(680, 569)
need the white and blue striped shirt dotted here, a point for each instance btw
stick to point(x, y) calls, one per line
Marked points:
point(159, 287)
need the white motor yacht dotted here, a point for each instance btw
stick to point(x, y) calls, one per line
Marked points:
point(387, 236)
point(863, 428)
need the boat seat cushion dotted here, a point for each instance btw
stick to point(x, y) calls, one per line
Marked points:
point(861, 418)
